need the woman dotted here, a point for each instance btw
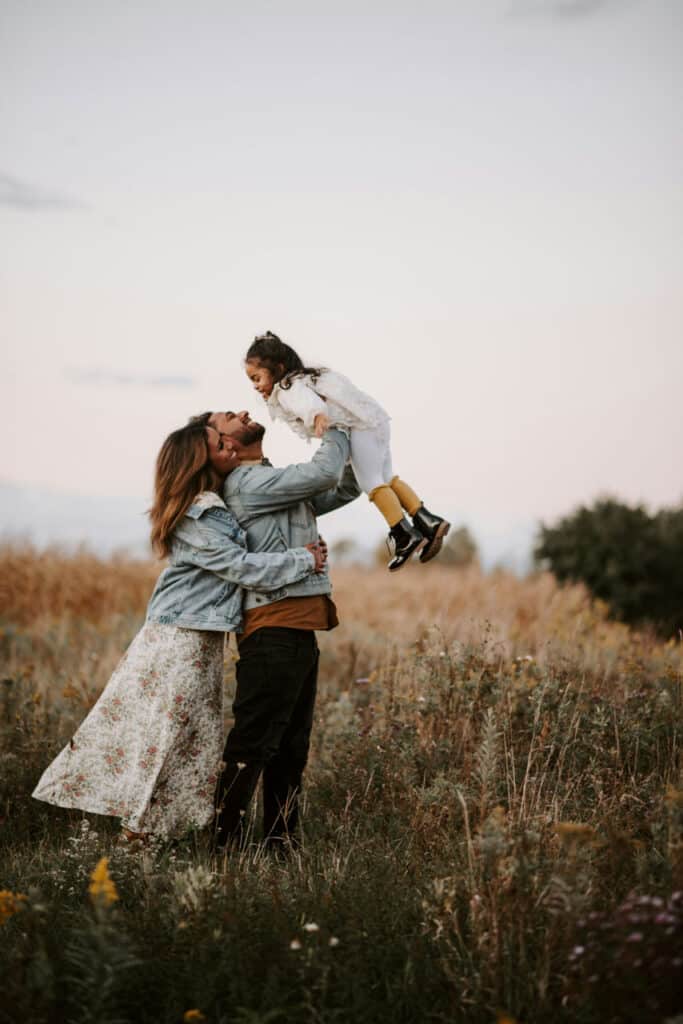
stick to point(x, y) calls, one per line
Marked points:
point(149, 750)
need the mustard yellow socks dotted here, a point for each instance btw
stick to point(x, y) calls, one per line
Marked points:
point(392, 498)
point(388, 504)
point(406, 495)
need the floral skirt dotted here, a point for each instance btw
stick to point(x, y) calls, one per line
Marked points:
point(149, 751)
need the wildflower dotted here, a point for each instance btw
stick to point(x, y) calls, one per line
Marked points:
point(334, 941)
point(191, 1015)
point(311, 926)
point(241, 765)
point(10, 903)
point(295, 944)
point(102, 889)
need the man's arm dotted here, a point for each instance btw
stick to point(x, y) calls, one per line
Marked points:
point(263, 489)
point(347, 490)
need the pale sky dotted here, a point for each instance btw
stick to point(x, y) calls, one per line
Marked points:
point(473, 208)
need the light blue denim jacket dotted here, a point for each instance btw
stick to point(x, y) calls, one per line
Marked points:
point(209, 565)
point(278, 508)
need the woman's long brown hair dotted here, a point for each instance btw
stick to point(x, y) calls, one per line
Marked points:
point(182, 471)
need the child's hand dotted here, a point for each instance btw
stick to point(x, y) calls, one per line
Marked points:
point(321, 423)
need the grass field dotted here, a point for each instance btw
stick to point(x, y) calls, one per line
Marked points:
point(492, 820)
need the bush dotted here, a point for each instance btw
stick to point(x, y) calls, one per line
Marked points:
point(625, 556)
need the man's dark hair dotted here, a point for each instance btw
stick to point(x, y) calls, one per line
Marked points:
point(202, 419)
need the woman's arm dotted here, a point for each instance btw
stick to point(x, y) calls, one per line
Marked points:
point(258, 570)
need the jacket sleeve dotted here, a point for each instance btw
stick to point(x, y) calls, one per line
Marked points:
point(267, 489)
point(347, 490)
point(253, 570)
point(301, 400)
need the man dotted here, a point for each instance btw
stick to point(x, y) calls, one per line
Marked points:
point(278, 665)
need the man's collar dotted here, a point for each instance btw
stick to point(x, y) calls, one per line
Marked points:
point(255, 462)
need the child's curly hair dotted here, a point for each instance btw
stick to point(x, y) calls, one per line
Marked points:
point(280, 359)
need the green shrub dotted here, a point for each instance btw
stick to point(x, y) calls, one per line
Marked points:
point(625, 556)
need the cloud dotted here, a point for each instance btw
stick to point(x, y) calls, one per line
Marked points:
point(23, 196)
point(95, 377)
point(559, 8)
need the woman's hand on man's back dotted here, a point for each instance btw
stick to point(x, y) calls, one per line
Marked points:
point(319, 552)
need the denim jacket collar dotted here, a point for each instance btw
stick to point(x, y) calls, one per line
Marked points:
point(204, 500)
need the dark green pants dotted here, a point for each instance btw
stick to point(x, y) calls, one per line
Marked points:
point(277, 675)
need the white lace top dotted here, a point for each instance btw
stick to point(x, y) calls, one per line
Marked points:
point(331, 393)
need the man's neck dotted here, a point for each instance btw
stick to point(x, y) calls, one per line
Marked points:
point(251, 454)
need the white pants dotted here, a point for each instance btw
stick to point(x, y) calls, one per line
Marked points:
point(371, 456)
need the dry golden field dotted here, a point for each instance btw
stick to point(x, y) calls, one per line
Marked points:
point(492, 818)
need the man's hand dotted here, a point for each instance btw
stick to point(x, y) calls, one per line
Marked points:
point(321, 423)
point(319, 552)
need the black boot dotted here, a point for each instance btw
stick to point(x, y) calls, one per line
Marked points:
point(406, 540)
point(434, 528)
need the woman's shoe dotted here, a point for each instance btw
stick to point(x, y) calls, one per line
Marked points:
point(406, 540)
point(434, 529)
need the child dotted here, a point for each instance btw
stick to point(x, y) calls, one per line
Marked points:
point(311, 400)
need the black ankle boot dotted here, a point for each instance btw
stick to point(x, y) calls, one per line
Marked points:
point(406, 540)
point(434, 528)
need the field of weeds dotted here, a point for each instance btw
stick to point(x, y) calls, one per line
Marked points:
point(492, 819)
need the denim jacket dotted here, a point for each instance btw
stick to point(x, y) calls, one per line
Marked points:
point(209, 565)
point(278, 507)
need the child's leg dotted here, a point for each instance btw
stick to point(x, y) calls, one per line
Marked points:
point(369, 450)
point(406, 495)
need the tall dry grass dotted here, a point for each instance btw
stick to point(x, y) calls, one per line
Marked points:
point(493, 818)
point(39, 587)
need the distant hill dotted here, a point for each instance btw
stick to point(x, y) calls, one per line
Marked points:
point(104, 524)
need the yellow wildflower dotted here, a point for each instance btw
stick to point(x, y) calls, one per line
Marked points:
point(10, 903)
point(191, 1015)
point(102, 889)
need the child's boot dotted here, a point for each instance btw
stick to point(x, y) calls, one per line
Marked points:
point(401, 531)
point(434, 528)
point(406, 540)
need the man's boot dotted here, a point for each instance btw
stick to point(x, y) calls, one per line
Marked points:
point(433, 528)
point(406, 540)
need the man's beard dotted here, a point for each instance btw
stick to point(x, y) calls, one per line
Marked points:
point(251, 434)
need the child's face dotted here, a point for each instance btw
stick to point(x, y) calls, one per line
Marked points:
point(260, 377)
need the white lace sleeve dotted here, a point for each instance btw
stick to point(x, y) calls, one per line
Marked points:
point(302, 401)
